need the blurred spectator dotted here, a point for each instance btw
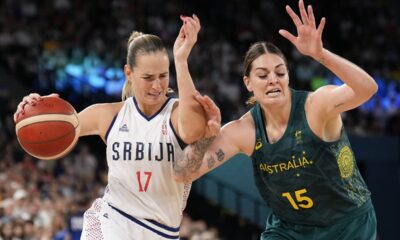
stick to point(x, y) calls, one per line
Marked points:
point(51, 46)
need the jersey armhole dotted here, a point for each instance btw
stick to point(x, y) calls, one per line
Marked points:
point(110, 127)
point(181, 143)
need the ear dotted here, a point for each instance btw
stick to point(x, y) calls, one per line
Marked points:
point(246, 81)
point(128, 71)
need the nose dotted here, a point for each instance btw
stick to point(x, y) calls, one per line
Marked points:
point(273, 79)
point(156, 84)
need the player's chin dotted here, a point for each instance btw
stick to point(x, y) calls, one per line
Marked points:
point(155, 98)
point(275, 100)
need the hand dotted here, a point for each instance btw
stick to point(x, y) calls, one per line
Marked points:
point(213, 115)
point(308, 40)
point(187, 37)
point(30, 99)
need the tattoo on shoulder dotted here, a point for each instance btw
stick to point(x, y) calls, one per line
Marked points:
point(338, 105)
point(220, 155)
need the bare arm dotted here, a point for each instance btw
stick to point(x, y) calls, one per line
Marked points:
point(216, 147)
point(190, 119)
point(96, 119)
point(206, 154)
point(329, 101)
point(358, 86)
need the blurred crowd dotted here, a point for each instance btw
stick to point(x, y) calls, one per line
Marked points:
point(77, 48)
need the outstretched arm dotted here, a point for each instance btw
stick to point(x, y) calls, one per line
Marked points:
point(358, 85)
point(209, 152)
point(190, 120)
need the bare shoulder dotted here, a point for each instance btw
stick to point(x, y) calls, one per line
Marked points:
point(108, 108)
point(316, 101)
point(318, 95)
point(242, 133)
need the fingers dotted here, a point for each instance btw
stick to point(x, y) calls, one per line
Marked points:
point(213, 128)
point(53, 95)
point(182, 32)
point(197, 21)
point(209, 106)
point(311, 17)
point(321, 26)
point(293, 16)
point(288, 36)
point(30, 99)
point(303, 12)
point(19, 110)
point(203, 102)
point(191, 25)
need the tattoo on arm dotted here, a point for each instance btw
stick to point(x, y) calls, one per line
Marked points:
point(210, 161)
point(220, 155)
point(192, 159)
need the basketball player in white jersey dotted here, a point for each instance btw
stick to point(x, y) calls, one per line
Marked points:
point(145, 134)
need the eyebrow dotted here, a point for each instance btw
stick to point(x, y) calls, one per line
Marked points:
point(149, 75)
point(266, 69)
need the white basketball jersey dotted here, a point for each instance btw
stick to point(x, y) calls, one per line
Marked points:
point(140, 155)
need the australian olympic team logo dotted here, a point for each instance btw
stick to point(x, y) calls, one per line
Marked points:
point(346, 162)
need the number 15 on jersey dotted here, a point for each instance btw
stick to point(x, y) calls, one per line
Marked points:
point(301, 201)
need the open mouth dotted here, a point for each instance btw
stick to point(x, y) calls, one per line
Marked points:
point(273, 92)
point(154, 94)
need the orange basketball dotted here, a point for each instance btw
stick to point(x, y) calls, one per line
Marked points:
point(48, 130)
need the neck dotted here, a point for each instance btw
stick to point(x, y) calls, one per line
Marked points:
point(277, 116)
point(150, 109)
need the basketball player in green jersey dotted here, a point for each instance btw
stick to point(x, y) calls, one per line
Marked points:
point(303, 163)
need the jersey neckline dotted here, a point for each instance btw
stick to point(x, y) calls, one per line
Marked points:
point(155, 114)
point(265, 135)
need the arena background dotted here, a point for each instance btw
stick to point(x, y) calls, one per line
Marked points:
point(77, 48)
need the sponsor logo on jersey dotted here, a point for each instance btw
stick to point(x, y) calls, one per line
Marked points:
point(124, 128)
point(258, 144)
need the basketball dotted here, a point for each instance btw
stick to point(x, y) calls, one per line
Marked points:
point(49, 129)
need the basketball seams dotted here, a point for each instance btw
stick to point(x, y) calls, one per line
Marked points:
point(72, 119)
point(49, 140)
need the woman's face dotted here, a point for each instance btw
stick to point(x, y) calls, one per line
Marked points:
point(149, 78)
point(269, 80)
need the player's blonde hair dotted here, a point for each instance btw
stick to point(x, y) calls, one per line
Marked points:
point(140, 43)
point(255, 50)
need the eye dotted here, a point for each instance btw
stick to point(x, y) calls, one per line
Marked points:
point(280, 74)
point(147, 78)
point(263, 76)
point(163, 75)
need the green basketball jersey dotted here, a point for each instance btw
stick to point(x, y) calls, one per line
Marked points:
point(303, 179)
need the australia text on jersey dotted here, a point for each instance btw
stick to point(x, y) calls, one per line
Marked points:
point(295, 162)
point(140, 151)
